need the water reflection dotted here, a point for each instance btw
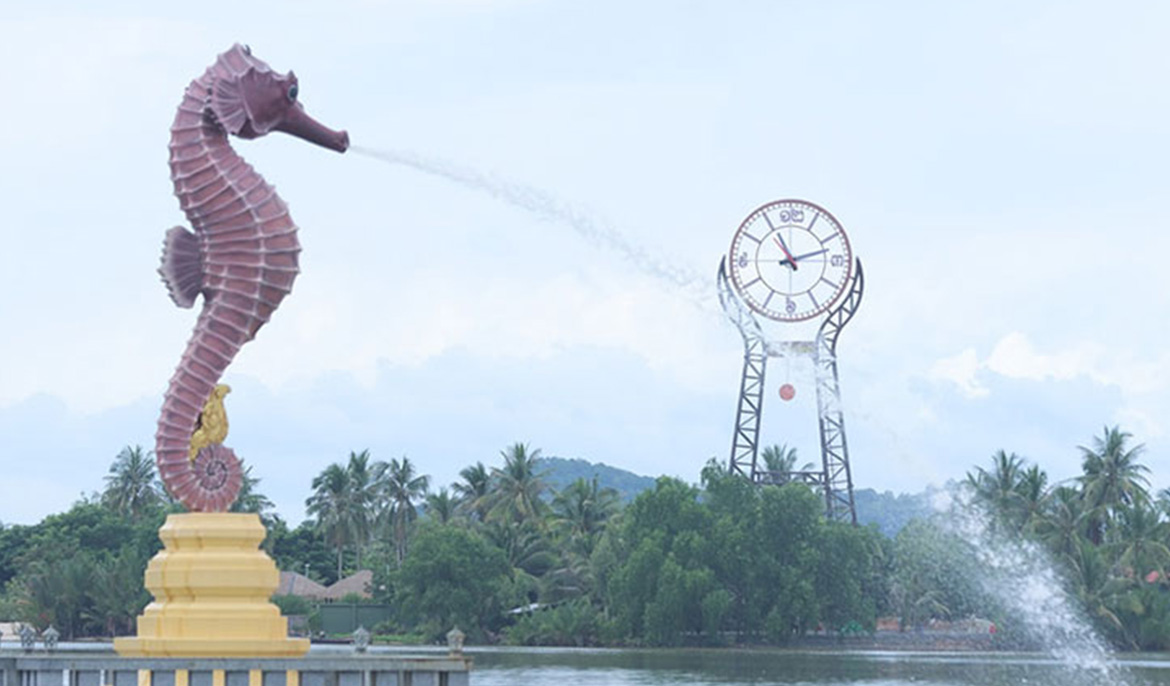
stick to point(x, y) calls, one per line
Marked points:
point(613, 667)
point(565, 667)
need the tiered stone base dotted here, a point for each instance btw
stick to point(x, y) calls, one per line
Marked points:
point(211, 585)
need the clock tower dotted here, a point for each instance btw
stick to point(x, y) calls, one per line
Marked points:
point(790, 283)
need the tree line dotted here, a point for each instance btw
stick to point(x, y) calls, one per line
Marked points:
point(1106, 533)
point(507, 558)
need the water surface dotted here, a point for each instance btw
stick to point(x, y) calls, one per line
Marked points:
point(597, 667)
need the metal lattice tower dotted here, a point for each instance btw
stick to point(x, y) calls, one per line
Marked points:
point(838, 479)
point(745, 440)
point(835, 478)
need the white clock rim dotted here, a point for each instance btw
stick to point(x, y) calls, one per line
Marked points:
point(823, 307)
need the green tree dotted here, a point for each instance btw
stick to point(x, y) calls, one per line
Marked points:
point(117, 593)
point(131, 485)
point(453, 577)
point(473, 490)
point(1032, 496)
point(786, 523)
point(403, 488)
point(252, 500)
point(303, 550)
point(780, 461)
point(330, 505)
point(572, 623)
point(676, 607)
point(633, 585)
point(580, 512)
point(1101, 593)
point(527, 552)
point(654, 592)
point(56, 593)
point(441, 506)
point(1112, 479)
point(366, 483)
point(517, 487)
point(1142, 536)
point(849, 579)
point(998, 489)
point(1061, 524)
point(931, 575)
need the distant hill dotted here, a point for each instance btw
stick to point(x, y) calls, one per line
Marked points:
point(560, 472)
point(889, 511)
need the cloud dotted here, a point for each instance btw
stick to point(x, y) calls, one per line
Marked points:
point(459, 407)
point(1015, 357)
point(1141, 384)
point(961, 370)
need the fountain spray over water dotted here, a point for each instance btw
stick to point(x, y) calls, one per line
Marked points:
point(549, 208)
point(1018, 573)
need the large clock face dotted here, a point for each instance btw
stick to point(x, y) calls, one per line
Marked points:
point(790, 260)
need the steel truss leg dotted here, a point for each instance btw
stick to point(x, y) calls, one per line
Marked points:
point(745, 441)
point(838, 480)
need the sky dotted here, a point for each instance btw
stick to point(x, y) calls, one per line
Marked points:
point(545, 273)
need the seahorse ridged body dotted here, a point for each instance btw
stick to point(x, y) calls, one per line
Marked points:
point(242, 255)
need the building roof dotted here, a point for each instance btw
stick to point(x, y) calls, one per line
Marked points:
point(292, 583)
point(359, 583)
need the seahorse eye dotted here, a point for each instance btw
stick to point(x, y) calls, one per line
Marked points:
point(292, 93)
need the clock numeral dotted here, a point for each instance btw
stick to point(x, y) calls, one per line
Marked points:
point(793, 215)
point(837, 260)
point(743, 260)
point(789, 305)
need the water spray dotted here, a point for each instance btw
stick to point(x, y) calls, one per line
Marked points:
point(1019, 573)
point(549, 208)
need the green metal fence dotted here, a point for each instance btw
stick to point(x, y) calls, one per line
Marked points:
point(345, 618)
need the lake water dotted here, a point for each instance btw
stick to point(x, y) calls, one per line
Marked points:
point(728, 667)
point(598, 667)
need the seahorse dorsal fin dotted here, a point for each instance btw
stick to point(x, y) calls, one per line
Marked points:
point(182, 266)
point(227, 102)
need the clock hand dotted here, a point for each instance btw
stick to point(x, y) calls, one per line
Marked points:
point(810, 254)
point(790, 259)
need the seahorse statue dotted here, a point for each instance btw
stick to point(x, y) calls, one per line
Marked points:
point(241, 255)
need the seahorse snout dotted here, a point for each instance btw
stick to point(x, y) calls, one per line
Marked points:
point(298, 123)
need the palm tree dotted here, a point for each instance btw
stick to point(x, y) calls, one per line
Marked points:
point(1142, 537)
point(473, 490)
point(516, 489)
point(402, 489)
point(780, 461)
point(251, 499)
point(1032, 493)
point(116, 592)
point(330, 506)
point(441, 506)
point(1099, 592)
point(1163, 502)
point(1062, 522)
point(1112, 479)
point(527, 551)
point(366, 482)
point(998, 489)
point(131, 485)
point(580, 512)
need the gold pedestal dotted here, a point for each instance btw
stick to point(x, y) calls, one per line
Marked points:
point(211, 587)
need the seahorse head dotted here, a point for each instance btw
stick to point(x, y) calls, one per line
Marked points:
point(249, 99)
